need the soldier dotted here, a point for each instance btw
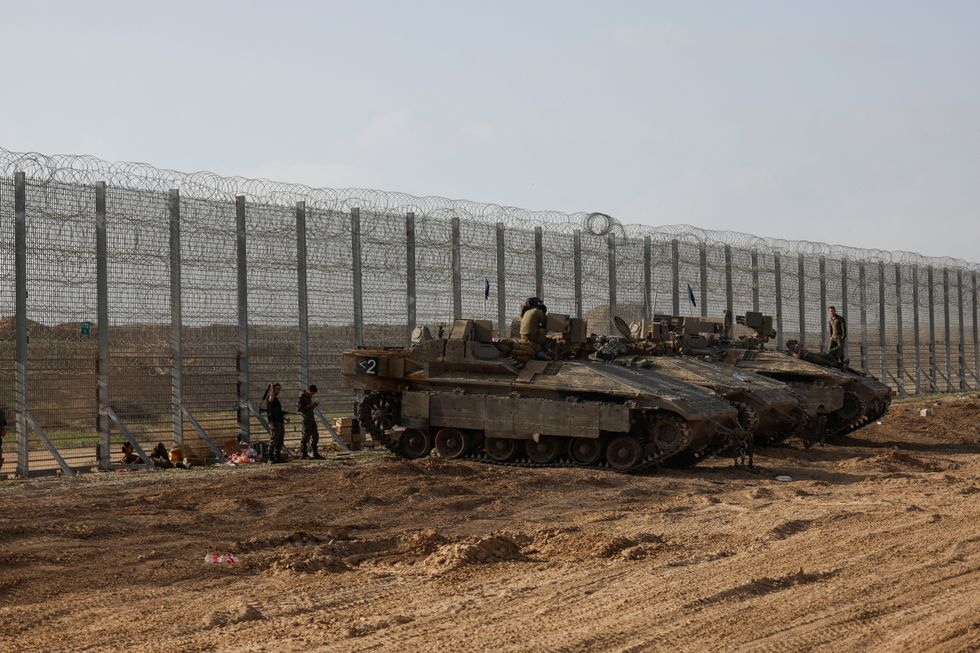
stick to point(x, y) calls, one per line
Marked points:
point(311, 435)
point(130, 457)
point(838, 335)
point(277, 422)
point(534, 323)
point(796, 350)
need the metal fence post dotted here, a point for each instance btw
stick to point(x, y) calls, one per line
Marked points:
point(358, 285)
point(863, 298)
point(302, 293)
point(915, 329)
point(801, 279)
point(976, 335)
point(243, 366)
point(778, 274)
point(176, 320)
point(933, 367)
point(502, 327)
point(961, 350)
point(538, 263)
point(900, 346)
point(456, 270)
point(703, 265)
point(647, 280)
point(729, 295)
point(881, 321)
point(410, 280)
point(823, 303)
point(611, 249)
point(102, 316)
point(577, 255)
point(675, 272)
point(843, 299)
point(755, 280)
point(946, 331)
point(20, 268)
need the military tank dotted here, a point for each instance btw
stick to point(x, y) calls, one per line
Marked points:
point(836, 398)
point(767, 409)
point(466, 398)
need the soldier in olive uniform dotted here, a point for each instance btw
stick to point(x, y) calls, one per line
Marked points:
point(534, 323)
point(838, 335)
point(277, 422)
point(311, 435)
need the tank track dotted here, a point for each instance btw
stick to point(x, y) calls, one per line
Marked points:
point(394, 446)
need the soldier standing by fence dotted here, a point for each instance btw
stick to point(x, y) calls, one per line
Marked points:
point(838, 335)
point(277, 422)
point(311, 435)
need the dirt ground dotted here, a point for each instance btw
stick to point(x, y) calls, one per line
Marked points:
point(873, 545)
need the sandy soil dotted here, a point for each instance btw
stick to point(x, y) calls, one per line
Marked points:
point(874, 545)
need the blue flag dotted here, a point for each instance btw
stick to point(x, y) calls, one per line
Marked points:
point(486, 288)
point(690, 295)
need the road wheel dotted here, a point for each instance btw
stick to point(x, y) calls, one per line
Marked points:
point(624, 453)
point(415, 443)
point(545, 451)
point(503, 449)
point(585, 451)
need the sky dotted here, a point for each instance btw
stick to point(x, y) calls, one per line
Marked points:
point(854, 123)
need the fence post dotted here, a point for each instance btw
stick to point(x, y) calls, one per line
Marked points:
point(502, 327)
point(900, 347)
point(947, 332)
point(358, 285)
point(20, 267)
point(703, 265)
point(823, 303)
point(647, 280)
point(675, 272)
point(102, 316)
point(976, 336)
point(915, 329)
point(176, 323)
point(611, 249)
point(933, 380)
point(410, 281)
point(456, 270)
point(302, 293)
point(843, 299)
point(729, 295)
point(801, 279)
point(538, 264)
point(755, 280)
point(881, 321)
point(962, 345)
point(243, 366)
point(863, 298)
point(778, 274)
point(577, 255)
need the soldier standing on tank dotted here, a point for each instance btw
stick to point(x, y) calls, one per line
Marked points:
point(277, 422)
point(838, 335)
point(311, 435)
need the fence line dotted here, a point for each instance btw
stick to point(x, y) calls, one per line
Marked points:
point(150, 305)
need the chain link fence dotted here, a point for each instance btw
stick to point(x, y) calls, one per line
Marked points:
point(157, 306)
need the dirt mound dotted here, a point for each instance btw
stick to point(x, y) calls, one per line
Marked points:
point(633, 547)
point(890, 462)
point(764, 585)
point(237, 616)
point(474, 551)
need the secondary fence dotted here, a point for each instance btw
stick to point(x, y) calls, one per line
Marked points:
point(156, 306)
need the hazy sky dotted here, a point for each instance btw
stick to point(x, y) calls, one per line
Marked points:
point(850, 122)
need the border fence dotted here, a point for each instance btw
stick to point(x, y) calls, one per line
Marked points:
point(153, 306)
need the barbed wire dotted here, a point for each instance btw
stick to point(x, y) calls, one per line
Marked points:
point(58, 169)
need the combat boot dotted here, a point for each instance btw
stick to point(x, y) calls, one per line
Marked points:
point(316, 455)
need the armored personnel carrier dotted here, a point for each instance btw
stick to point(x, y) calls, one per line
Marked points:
point(466, 398)
point(836, 398)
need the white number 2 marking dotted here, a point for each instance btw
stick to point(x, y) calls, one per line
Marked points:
point(369, 365)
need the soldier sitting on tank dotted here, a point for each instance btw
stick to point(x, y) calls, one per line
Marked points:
point(796, 350)
point(534, 328)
